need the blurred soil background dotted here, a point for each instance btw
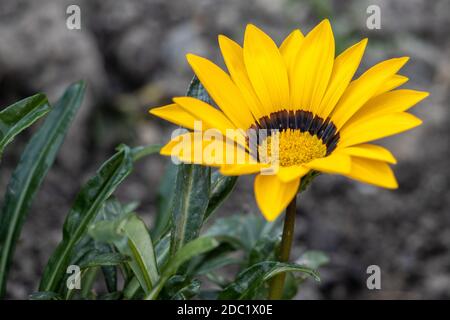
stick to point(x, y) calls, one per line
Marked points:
point(131, 53)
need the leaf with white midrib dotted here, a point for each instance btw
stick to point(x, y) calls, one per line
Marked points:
point(193, 184)
point(19, 116)
point(116, 169)
point(33, 166)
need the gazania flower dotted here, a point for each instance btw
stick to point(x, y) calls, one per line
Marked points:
point(305, 99)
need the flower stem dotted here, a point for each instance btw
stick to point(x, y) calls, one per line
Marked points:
point(277, 284)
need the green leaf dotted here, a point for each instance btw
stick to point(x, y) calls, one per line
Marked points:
point(216, 262)
point(116, 295)
point(244, 231)
point(187, 252)
point(19, 116)
point(142, 252)
point(180, 287)
point(291, 286)
point(162, 249)
point(214, 259)
point(36, 160)
point(132, 289)
point(130, 236)
point(165, 197)
point(113, 209)
point(86, 247)
point(88, 276)
point(110, 276)
point(191, 249)
point(87, 204)
point(264, 249)
point(221, 187)
point(45, 295)
point(99, 259)
point(192, 190)
point(251, 279)
point(311, 259)
point(197, 90)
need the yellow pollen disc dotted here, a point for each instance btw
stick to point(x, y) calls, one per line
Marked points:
point(294, 148)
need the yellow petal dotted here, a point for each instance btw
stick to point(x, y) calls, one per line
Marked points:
point(393, 82)
point(344, 68)
point(377, 128)
point(175, 114)
point(362, 89)
point(287, 174)
point(312, 69)
point(266, 69)
point(234, 59)
point(210, 116)
point(373, 172)
point(334, 163)
point(385, 103)
point(370, 151)
point(273, 195)
point(241, 169)
point(290, 48)
point(223, 91)
point(187, 147)
point(198, 148)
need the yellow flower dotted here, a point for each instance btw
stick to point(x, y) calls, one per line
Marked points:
point(324, 120)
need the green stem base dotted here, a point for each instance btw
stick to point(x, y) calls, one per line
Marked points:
point(277, 283)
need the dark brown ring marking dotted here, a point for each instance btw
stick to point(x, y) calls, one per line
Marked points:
point(303, 121)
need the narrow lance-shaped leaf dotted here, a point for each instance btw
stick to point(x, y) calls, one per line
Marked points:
point(141, 249)
point(33, 166)
point(192, 190)
point(111, 210)
point(162, 251)
point(165, 197)
point(19, 116)
point(251, 279)
point(131, 237)
point(221, 187)
point(100, 259)
point(87, 204)
point(311, 259)
point(87, 247)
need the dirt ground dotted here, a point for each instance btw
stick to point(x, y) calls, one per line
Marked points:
point(131, 53)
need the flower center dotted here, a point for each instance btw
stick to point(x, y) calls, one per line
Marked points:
point(293, 137)
point(291, 147)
